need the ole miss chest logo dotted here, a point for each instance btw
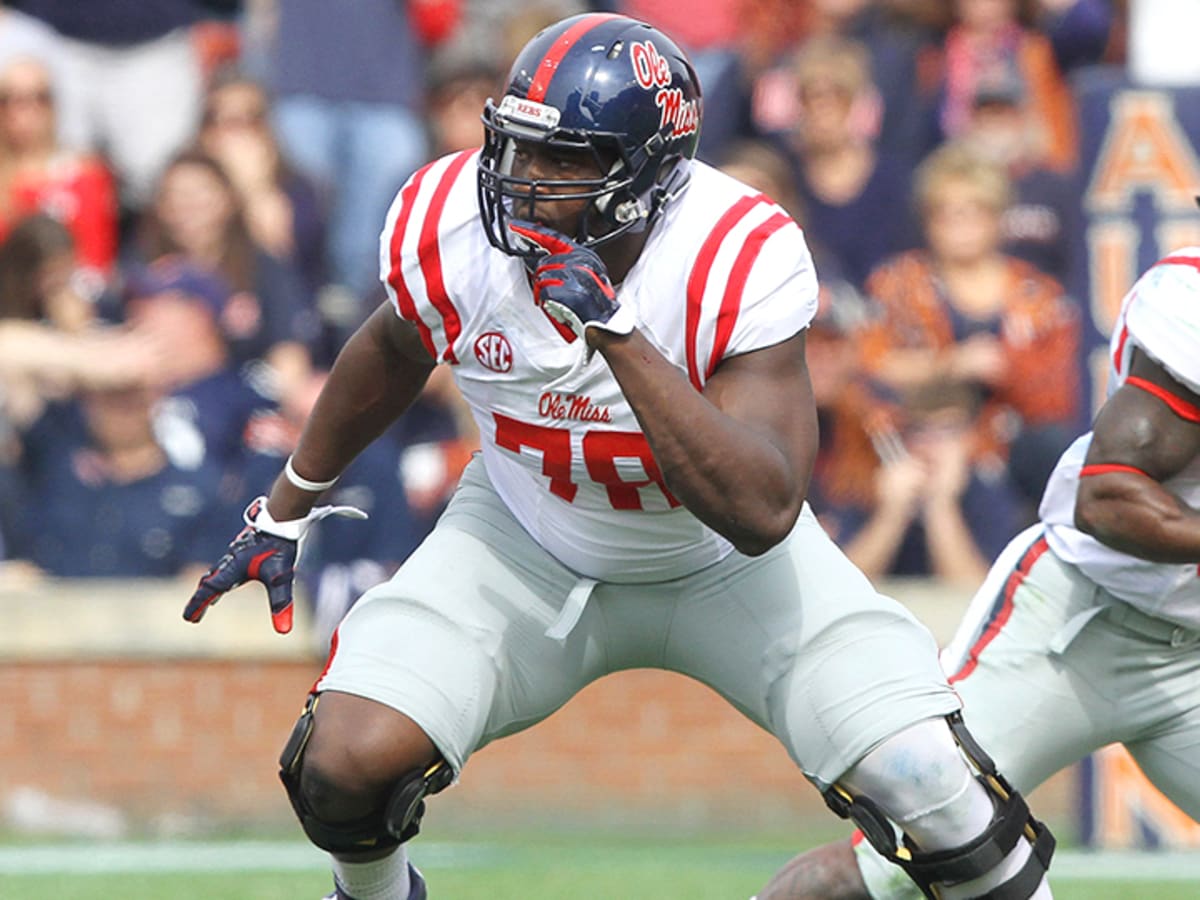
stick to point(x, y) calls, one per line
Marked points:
point(494, 352)
point(653, 72)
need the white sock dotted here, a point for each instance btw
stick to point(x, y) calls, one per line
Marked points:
point(380, 879)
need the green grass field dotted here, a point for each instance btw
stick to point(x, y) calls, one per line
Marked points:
point(574, 866)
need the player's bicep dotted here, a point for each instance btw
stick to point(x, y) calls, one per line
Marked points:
point(1151, 424)
point(399, 337)
point(769, 391)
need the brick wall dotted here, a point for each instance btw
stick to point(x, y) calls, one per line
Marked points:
point(113, 702)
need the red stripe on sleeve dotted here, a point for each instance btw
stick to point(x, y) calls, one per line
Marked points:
point(404, 299)
point(1003, 609)
point(549, 64)
point(1106, 468)
point(430, 255)
point(1182, 408)
point(701, 269)
point(1120, 351)
point(333, 646)
point(1180, 261)
point(731, 303)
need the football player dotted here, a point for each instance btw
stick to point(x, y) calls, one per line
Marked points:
point(627, 326)
point(1086, 631)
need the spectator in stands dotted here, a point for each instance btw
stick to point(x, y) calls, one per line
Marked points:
point(844, 179)
point(460, 83)
point(928, 503)
point(22, 36)
point(103, 499)
point(994, 39)
point(282, 209)
point(38, 174)
point(132, 81)
point(902, 54)
point(1041, 223)
point(1080, 31)
point(960, 317)
point(197, 215)
point(349, 92)
point(51, 343)
point(763, 165)
point(209, 402)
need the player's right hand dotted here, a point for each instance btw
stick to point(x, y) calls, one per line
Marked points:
point(571, 282)
point(265, 551)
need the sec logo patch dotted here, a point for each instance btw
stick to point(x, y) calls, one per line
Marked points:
point(494, 352)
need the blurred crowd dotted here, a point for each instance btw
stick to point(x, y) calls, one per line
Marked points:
point(191, 195)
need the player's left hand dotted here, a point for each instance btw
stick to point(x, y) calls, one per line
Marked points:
point(571, 282)
point(265, 551)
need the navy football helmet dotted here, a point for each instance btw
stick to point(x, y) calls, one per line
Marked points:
point(605, 84)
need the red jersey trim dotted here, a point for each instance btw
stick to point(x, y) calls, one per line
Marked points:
point(731, 303)
point(1192, 261)
point(1182, 408)
point(1119, 353)
point(404, 298)
point(1002, 609)
point(698, 279)
point(430, 255)
point(333, 646)
point(1106, 468)
point(549, 64)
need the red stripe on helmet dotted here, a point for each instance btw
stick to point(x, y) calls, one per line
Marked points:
point(569, 38)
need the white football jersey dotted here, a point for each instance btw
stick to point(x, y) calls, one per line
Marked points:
point(725, 271)
point(1161, 316)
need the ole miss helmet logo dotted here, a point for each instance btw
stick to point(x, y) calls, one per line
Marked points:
point(494, 352)
point(652, 70)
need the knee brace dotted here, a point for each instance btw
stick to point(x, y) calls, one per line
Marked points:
point(397, 822)
point(1011, 821)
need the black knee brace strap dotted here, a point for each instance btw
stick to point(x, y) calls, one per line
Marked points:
point(1010, 822)
point(400, 819)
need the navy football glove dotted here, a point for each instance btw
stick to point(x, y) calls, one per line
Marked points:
point(265, 551)
point(571, 282)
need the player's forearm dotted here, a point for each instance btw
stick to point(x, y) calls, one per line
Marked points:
point(369, 387)
point(733, 478)
point(1132, 513)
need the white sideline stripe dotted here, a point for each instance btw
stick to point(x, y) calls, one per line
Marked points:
point(188, 856)
point(286, 856)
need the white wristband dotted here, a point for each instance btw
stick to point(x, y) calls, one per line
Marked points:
point(303, 483)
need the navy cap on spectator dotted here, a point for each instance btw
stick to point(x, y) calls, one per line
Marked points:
point(173, 276)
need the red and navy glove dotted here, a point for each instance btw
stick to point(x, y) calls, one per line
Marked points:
point(265, 551)
point(571, 282)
